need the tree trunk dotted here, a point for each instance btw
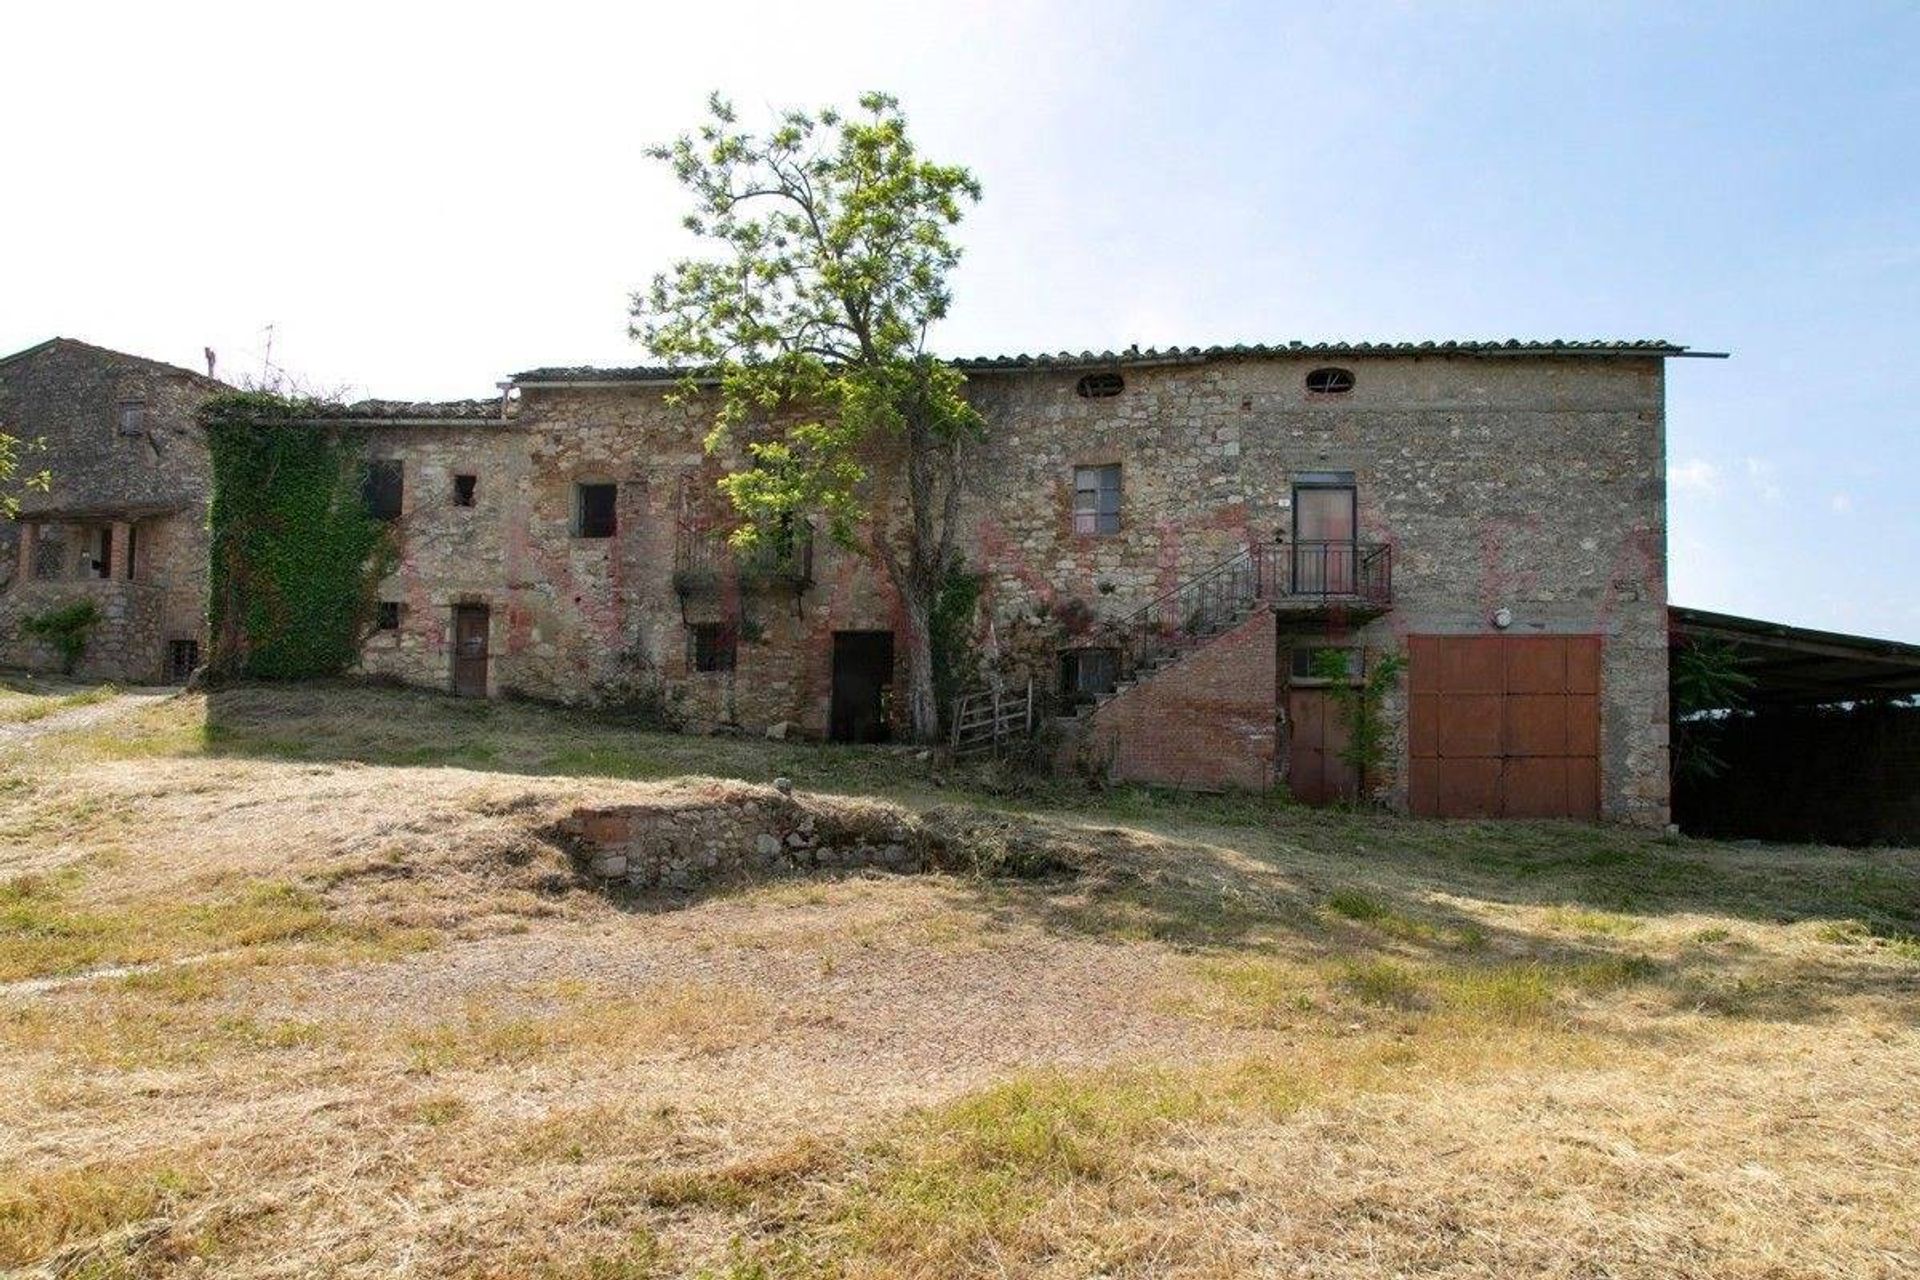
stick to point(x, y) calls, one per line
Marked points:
point(923, 710)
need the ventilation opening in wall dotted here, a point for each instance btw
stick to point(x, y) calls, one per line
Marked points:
point(1330, 382)
point(1095, 386)
point(463, 487)
point(182, 657)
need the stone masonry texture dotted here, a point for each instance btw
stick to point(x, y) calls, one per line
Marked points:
point(1533, 484)
point(141, 476)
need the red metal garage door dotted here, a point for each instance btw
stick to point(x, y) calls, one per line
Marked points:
point(1504, 726)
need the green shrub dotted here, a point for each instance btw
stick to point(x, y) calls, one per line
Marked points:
point(67, 629)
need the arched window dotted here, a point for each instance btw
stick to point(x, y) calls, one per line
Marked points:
point(1095, 386)
point(1330, 382)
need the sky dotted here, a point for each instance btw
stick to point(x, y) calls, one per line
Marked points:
point(418, 200)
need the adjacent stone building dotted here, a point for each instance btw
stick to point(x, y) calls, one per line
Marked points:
point(123, 524)
point(1167, 540)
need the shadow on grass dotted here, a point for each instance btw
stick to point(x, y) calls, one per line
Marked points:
point(1200, 871)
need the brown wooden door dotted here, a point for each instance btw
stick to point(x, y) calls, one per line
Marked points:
point(1317, 734)
point(1504, 726)
point(470, 650)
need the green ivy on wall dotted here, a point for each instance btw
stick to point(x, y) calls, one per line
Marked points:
point(296, 558)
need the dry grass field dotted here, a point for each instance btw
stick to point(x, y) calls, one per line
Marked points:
point(300, 982)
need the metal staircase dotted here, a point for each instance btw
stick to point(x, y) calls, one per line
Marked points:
point(1305, 579)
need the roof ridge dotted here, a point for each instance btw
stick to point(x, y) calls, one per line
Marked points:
point(1135, 355)
point(61, 340)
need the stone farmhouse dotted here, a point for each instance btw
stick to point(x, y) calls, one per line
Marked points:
point(1167, 540)
point(124, 523)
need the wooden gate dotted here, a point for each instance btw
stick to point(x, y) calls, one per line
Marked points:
point(470, 650)
point(1504, 726)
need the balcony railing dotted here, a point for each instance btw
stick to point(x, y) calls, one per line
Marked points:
point(1328, 571)
point(704, 560)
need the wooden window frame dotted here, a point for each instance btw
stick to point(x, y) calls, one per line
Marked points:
point(1074, 686)
point(1091, 521)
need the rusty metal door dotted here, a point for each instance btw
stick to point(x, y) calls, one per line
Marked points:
point(470, 650)
point(1317, 734)
point(1504, 726)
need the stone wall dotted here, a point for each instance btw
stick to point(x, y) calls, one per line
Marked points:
point(69, 395)
point(1534, 484)
point(148, 477)
point(125, 645)
point(573, 618)
point(687, 839)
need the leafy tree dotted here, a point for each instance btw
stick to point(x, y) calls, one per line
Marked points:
point(12, 450)
point(833, 240)
point(1708, 685)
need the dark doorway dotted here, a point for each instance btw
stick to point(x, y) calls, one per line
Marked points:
point(862, 680)
point(470, 650)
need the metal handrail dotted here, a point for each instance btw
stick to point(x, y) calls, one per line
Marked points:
point(1331, 571)
point(784, 556)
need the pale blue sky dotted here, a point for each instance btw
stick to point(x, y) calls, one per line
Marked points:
point(423, 199)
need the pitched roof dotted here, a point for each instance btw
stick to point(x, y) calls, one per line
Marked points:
point(1641, 348)
point(75, 344)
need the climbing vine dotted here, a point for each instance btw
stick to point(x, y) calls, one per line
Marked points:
point(1361, 703)
point(296, 557)
point(950, 631)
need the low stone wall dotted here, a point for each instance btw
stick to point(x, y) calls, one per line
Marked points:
point(125, 645)
point(716, 832)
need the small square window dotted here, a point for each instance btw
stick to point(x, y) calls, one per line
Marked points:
point(594, 511)
point(463, 487)
point(1310, 665)
point(388, 616)
point(182, 657)
point(133, 417)
point(712, 646)
point(1088, 673)
point(1096, 499)
point(384, 487)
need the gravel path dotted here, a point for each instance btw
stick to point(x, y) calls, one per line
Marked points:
point(22, 732)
